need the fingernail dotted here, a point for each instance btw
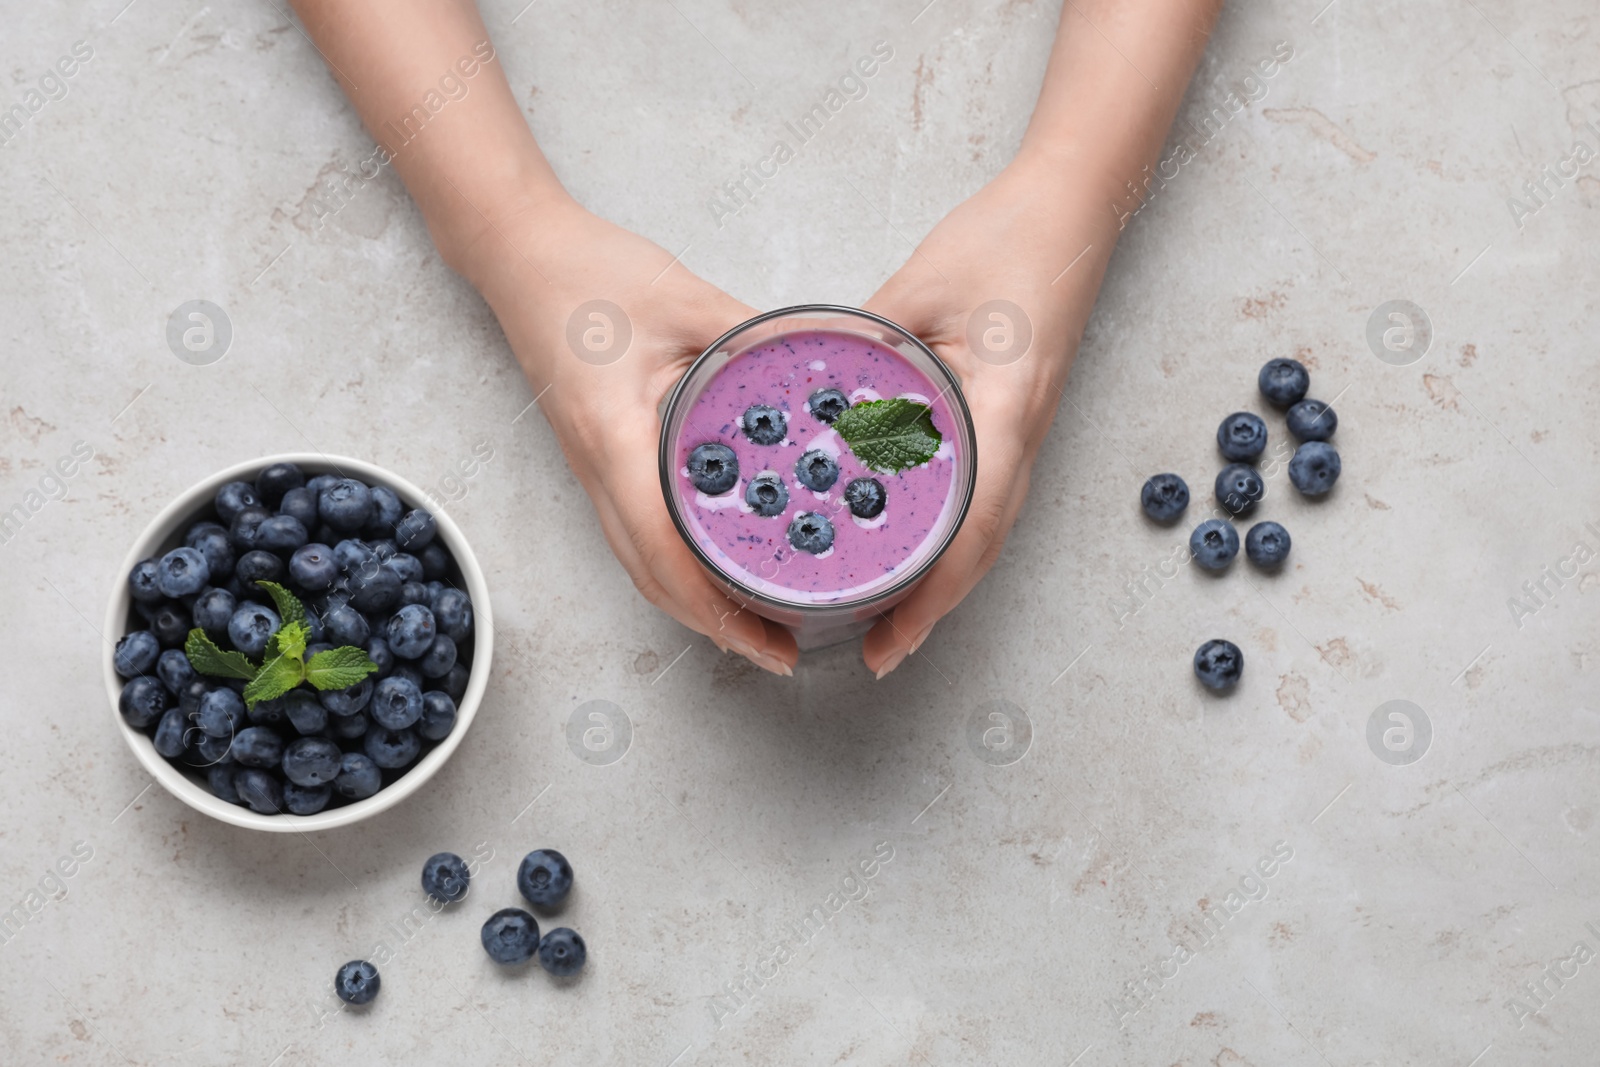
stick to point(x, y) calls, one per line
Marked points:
point(748, 651)
point(772, 663)
point(894, 660)
point(916, 642)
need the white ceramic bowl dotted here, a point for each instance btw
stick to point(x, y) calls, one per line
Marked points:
point(166, 532)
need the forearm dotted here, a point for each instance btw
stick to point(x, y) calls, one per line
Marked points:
point(423, 76)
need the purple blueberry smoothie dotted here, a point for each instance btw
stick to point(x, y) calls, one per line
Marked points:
point(813, 546)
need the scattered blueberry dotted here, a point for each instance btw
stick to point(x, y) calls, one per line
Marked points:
point(816, 470)
point(1283, 381)
point(359, 777)
point(810, 531)
point(396, 703)
point(445, 877)
point(182, 572)
point(411, 631)
point(1315, 467)
point(1164, 497)
point(562, 952)
point(251, 627)
point(1218, 664)
point(826, 405)
point(1213, 544)
point(767, 495)
point(510, 936)
point(357, 982)
point(1242, 436)
point(136, 653)
point(544, 877)
point(1266, 544)
point(1239, 486)
point(1312, 420)
point(763, 425)
point(866, 497)
point(143, 701)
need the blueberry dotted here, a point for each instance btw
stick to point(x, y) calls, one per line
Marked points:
point(344, 625)
point(866, 497)
point(763, 425)
point(413, 593)
point(143, 701)
point(376, 589)
point(345, 505)
point(386, 512)
point(174, 670)
point(1239, 487)
point(382, 547)
point(826, 405)
point(281, 533)
point(359, 777)
point(321, 482)
point(452, 610)
point(221, 713)
point(810, 531)
point(357, 982)
point(1164, 497)
point(220, 778)
point(301, 504)
point(1218, 664)
point(1283, 381)
point(407, 568)
point(211, 751)
point(445, 877)
point(190, 696)
point(304, 711)
point(391, 749)
point(407, 670)
point(311, 761)
point(170, 623)
point(1314, 468)
point(266, 713)
point(396, 703)
point(510, 936)
point(258, 746)
point(259, 566)
point(142, 583)
point(306, 800)
point(234, 498)
point(1312, 420)
point(439, 658)
point(348, 728)
point(438, 715)
point(415, 530)
point(355, 555)
point(544, 877)
point(1267, 544)
point(454, 683)
point(242, 532)
point(766, 494)
point(212, 542)
point(378, 652)
point(713, 468)
point(182, 572)
point(340, 702)
point(251, 627)
point(411, 631)
point(136, 653)
point(276, 480)
point(816, 470)
point(259, 789)
point(1242, 436)
point(1213, 544)
point(213, 610)
point(562, 952)
point(313, 569)
point(169, 737)
point(435, 561)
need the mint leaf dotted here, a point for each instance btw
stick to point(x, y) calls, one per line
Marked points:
point(289, 607)
point(207, 658)
point(289, 641)
point(276, 678)
point(890, 435)
point(339, 668)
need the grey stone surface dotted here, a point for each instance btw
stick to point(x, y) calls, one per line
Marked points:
point(1023, 896)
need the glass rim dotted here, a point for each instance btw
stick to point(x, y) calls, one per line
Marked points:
point(666, 461)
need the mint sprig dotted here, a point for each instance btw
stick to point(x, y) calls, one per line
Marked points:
point(283, 666)
point(890, 435)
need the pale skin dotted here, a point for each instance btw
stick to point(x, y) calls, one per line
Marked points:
point(501, 218)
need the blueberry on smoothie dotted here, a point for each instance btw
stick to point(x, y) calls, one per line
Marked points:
point(826, 405)
point(767, 495)
point(810, 531)
point(763, 425)
point(816, 470)
point(713, 468)
point(866, 497)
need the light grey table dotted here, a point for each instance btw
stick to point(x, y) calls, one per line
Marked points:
point(1034, 891)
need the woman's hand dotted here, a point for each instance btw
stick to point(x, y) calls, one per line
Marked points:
point(537, 265)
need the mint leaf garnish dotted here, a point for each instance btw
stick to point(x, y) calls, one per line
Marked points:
point(290, 641)
point(289, 607)
point(207, 658)
point(276, 678)
point(890, 435)
point(339, 668)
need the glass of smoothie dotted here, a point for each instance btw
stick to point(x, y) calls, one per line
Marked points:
point(817, 460)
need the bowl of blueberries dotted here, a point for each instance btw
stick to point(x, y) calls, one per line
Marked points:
point(300, 643)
